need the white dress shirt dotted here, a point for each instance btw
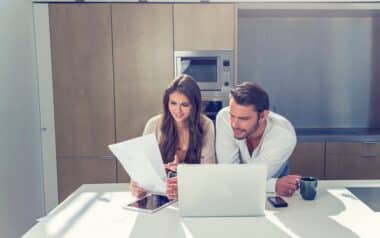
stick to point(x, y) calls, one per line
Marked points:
point(274, 149)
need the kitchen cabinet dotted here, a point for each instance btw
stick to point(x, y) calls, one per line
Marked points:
point(94, 107)
point(336, 160)
point(81, 46)
point(308, 159)
point(352, 160)
point(121, 175)
point(204, 26)
point(143, 60)
point(75, 171)
point(111, 64)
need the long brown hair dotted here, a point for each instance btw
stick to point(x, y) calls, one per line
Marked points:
point(169, 140)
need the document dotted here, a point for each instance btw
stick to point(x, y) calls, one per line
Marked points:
point(141, 158)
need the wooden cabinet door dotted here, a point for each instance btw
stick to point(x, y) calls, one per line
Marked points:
point(75, 171)
point(308, 159)
point(352, 160)
point(204, 26)
point(143, 61)
point(81, 45)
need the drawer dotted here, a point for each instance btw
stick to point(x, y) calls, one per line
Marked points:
point(352, 167)
point(362, 149)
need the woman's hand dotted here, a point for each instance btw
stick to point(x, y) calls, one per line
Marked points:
point(171, 183)
point(172, 165)
point(136, 190)
point(171, 188)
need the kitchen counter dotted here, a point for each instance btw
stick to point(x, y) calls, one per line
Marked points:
point(96, 210)
point(338, 134)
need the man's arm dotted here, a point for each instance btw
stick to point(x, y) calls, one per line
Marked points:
point(227, 151)
point(275, 152)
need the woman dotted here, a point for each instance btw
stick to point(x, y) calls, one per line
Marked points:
point(184, 134)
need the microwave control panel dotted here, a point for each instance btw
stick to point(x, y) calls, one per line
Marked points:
point(227, 79)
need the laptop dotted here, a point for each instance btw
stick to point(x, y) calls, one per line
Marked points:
point(221, 189)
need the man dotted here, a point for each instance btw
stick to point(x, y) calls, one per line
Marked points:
point(247, 131)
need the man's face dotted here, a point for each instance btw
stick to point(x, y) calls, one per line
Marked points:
point(244, 120)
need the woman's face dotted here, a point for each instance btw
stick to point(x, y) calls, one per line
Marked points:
point(179, 106)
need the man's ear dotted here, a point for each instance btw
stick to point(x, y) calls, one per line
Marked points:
point(264, 115)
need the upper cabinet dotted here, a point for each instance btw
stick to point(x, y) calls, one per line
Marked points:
point(111, 64)
point(81, 46)
point(204, 26)
point(143, 60)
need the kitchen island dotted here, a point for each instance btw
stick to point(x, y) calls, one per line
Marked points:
point(96, 210)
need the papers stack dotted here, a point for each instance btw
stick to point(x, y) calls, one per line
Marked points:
point(141, 158)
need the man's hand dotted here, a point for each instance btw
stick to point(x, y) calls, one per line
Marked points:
point(136, 190)
point(171, 188)
point(287, 185)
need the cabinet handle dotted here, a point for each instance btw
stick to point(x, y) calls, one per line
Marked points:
point(368, 149)
point(369, 142)
point(107, 157)
point(368, 156)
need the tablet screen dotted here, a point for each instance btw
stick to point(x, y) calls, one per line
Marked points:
point(150, 203)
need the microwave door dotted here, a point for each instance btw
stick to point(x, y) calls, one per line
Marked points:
point(204, 70)
point(185, 64)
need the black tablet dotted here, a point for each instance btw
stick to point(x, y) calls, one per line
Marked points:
point(150, 203)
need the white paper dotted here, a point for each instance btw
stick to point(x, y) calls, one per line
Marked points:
point(141, 158)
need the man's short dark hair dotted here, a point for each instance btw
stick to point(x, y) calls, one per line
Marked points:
point(251, 94)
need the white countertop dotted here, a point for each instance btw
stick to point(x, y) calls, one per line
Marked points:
point(95, 210)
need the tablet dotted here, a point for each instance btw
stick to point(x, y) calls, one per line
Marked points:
point(150, 203)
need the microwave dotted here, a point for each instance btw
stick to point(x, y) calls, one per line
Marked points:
point(213, 70)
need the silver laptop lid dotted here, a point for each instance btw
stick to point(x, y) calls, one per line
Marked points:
point(222, 189)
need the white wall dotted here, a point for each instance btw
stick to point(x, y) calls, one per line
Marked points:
point(21, 178)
